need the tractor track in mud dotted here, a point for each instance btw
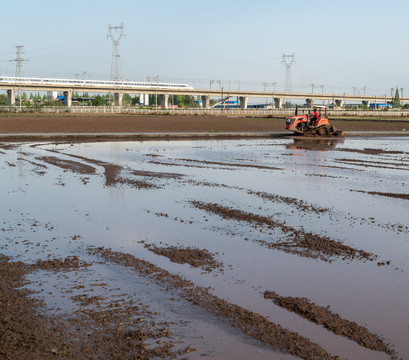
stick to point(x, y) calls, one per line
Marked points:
point(299, 242)
point(321, 315)
point(252, 324)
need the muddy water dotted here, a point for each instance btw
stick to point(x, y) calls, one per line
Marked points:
point(292, 217)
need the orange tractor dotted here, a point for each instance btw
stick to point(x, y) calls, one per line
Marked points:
point(309, 125)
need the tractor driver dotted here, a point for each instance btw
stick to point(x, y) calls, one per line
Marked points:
point(316, 117)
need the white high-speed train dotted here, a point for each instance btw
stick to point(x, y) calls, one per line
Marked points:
point(90, 83)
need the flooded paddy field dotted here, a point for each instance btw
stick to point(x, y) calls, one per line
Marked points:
point(229, 249)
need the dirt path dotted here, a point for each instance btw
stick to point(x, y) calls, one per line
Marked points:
point(101, 123)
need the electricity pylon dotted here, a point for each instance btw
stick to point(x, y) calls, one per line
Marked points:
point(288, 60)
point(116, 71)
point(19, 61)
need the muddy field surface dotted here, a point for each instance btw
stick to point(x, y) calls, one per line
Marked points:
point(229, 249)
point(120, 123)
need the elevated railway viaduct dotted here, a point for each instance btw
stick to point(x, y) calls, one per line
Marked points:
point(164, 90)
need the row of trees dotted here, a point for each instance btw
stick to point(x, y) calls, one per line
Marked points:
point(104, 100)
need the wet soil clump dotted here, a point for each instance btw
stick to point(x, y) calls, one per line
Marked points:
point(251, 323)
point(333, 322)
point(193, 256)
point(69, 263)
point(297, 241)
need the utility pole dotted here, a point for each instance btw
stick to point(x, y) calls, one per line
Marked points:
point(116, 71)
point(364, 88)
point(288, 60)
point(354, 88)
point(312, 88)
point(19, 65)
point(156, 91)
point(265, 85)
point(274, 85)
point(322, 89)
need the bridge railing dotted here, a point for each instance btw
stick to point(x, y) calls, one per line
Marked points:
point(332, 113)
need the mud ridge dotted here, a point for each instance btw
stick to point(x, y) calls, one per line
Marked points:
point(299, 204)
point(9, 146)
point(373, 164)
point(333, 322)
point(157, 174)
point(385, 194)
point(231, 164)
point(116, 331)
point(250, 323)
point(155, 162)
point(74, 166)
point(370, 151)
point(112, 174)
point(298, 242)
point(111, 171)
point(193, 256)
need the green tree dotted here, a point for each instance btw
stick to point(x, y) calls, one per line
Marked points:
point(127, 99)
point(98, 101)
point(396, 100)
point(3, 99)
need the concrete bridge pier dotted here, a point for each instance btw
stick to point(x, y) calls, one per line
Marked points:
point(67, 98)
point(243, 100)
point(309, 102)
point(118, 98)
point(278, 103)
point(206, 101)
point(144, 99)
point(11, 97)
point(164, 101)
point(339, 102)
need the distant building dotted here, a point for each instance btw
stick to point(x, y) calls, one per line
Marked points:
point(380, 105)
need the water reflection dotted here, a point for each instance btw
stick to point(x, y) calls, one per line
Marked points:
point(315, 144)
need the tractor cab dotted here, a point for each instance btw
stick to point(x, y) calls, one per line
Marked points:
point(296, 121)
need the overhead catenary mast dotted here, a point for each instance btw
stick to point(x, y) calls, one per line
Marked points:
point(288, 60)
point(116, 71)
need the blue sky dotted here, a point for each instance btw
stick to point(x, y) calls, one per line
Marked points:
point(340, 45)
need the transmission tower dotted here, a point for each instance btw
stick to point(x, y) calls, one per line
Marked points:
point(116, 72)
point(288, 60)
point(19, 61)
